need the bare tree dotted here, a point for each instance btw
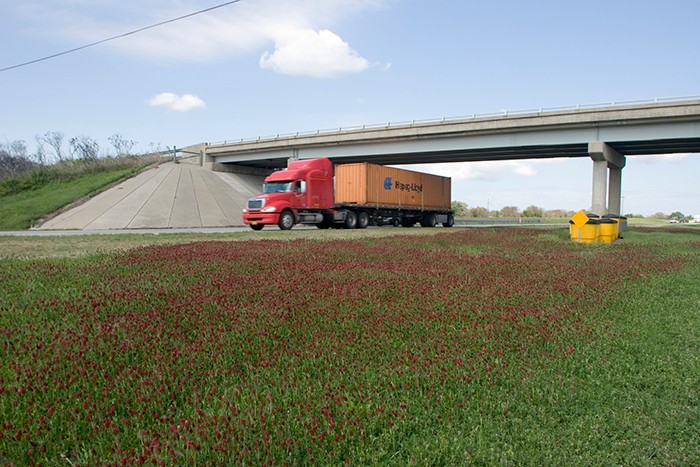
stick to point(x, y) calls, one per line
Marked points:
point(154, 147)
point(84, 148)
point(55, 140)
point(13, 159)
point(121, 145)
point(39, 155)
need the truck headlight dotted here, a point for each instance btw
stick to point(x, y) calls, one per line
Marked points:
point(245, 210)
point(270, 209)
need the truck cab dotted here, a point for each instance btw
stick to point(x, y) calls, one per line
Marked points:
point(301, 193)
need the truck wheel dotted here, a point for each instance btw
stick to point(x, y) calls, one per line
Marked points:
point(257, 226)
point(429, 220)
point(286, 221)
point(362, 220)
point(350, 220)
point(396, 222)
point(450, 221)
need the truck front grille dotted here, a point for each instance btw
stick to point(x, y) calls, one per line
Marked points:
point(256, 203)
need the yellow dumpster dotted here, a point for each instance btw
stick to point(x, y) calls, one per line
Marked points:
point(586, 234)
point(607, 230)
point(621, 222)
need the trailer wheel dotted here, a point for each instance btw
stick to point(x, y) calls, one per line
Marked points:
point(350, 220)
point(362, 220)
point(396, 222)
point(450, 221)
point(286, 221)
point(429, 220)
point(257, 226)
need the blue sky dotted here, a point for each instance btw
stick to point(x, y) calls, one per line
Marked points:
point(262, 67)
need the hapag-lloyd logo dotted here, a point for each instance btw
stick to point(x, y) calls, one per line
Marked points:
point(397, 185)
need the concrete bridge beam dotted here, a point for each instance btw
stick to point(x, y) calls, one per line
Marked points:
point(606, 162)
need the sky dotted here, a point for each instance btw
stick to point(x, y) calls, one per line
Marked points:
point(265, 67)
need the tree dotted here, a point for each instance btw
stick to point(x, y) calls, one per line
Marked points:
point(460, 208)
point(40, 154)
point(122, 146)
point(55, 140)
point(533, 211)
point(84, 148)
point(478, 212)
point(556, 213)
point(13, 159)
point(678, 215)
point(509, 211)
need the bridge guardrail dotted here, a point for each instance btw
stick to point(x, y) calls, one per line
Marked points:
point(497, 221)
point(474, 116)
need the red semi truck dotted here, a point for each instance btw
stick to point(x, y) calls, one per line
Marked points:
point(349, 196)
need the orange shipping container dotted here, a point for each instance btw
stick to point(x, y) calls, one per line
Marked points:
point(378, 185)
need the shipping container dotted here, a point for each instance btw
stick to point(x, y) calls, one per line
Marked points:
point(378, 185)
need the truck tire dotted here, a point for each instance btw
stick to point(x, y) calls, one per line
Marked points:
point(362, 220)
point(429, 220)
point(257, 226)
point(350, 220)
point(286, 221)
point(396, 222)
point(450, 221)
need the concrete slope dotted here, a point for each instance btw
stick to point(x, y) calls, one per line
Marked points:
point(168, 196)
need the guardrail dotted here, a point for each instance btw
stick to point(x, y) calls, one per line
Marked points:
point(502, 113)
point(498, 221)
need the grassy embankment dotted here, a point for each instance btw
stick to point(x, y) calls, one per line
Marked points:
point(385, 347)
point(32, 196)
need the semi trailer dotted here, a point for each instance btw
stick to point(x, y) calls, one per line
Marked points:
point(354, 195)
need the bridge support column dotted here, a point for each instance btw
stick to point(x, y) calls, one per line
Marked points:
point(606, 159)
point(615, 191)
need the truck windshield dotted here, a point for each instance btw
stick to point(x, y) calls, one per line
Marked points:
point(277, 187)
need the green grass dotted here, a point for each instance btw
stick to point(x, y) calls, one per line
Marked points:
point(466, 346)
point(21, 208)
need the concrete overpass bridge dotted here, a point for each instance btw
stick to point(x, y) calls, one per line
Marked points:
point(605, 133)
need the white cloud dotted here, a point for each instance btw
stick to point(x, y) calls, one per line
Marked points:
point(172, 101)
point(319, 54)
point(300, 31)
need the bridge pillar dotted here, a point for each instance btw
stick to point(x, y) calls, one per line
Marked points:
point(614, 190)
point(606, 159)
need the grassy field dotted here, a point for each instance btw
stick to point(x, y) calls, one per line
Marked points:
point(28, 198)
point(380, 347)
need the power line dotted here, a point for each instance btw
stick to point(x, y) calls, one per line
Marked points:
point(119, 36)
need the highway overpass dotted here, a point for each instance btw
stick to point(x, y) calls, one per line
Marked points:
point(605, 133)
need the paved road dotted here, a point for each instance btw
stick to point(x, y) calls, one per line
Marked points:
point(55, 233)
